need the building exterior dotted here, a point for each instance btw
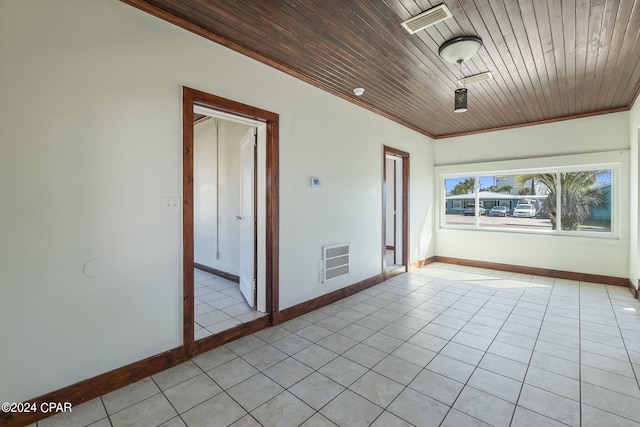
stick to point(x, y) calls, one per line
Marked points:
point(456, 204)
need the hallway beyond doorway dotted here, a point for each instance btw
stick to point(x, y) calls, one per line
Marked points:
point(391, 262)
point(218, 305)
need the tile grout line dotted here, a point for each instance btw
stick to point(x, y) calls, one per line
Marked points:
point(622, 336)
point(421, 369)
point(537, 339)
point(474, 369)
point(389, 354)
point(224, 390)
point(384, 409)
point(290, 356)
point(465, 384)
point(165, 396)
point(316, 411)
point(526, 372)
point(459, 330)
point(220, 310)
point(580, 349)
point(615, 314)
point(105, 411)
point(402, 285)
point(486, 351)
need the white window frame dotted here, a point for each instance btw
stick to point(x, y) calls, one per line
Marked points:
point(476, 171)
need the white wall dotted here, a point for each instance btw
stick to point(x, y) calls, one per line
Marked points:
point(608, 132)
point(348, 158)
point(556, 144)
point(90, 143)
point(226, 194)
point(634, 236)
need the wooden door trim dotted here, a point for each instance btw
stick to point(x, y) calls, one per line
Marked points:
point(192, 97)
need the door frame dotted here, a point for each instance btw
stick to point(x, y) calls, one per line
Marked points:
point(191, 98)
point(404, 156)
point(252, 137)
point(395, 207)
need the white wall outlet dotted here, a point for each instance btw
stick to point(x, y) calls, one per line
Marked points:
point(170, 205)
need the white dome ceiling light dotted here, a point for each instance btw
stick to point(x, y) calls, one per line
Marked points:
point(460, 49)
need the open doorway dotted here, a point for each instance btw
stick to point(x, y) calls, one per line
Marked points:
point(226, 288)
point(395, 211)
point(230, 220)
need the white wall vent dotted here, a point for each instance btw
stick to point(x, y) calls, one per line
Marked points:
point(427, 18)
point(335, 261)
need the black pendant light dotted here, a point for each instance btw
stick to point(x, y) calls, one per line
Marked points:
point(460, 98)
point(460, 95)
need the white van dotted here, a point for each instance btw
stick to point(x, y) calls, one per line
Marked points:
point(524, 211)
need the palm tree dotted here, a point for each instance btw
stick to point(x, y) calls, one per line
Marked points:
point(577, 195)
point(521, 181)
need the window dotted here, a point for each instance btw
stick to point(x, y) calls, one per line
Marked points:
point(459, 201)
point(585, 201)
point(566, 200)
point(512, 201)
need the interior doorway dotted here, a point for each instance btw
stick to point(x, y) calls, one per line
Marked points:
point(395, 211)
point(227, 291)
point(230, 220)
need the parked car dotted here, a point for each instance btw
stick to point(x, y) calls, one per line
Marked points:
point(471, 209)
point(524, 211)
point(499, 211)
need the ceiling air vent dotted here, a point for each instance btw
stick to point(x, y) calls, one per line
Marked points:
point(427, 19)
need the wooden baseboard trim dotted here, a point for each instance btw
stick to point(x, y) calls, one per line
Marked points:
point(569, 275)
point(91, 388)
point(321, 301)
point(213, 341)
point(421, 263)
point(395, 272)
point(632, 289)
point(331, 297)
point(217, 272)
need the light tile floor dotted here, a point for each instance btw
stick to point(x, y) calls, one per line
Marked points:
point(440, 346)
point(218, 305)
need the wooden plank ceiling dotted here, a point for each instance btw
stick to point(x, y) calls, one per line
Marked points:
point(551, 59)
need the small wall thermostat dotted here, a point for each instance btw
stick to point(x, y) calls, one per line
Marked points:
point(315, 182)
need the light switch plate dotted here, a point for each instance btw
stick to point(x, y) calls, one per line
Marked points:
point(170, 205)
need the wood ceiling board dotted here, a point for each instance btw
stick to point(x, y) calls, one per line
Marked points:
point(629, 61)
point(551, 59)
point(508, 86)
point(615, 63)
